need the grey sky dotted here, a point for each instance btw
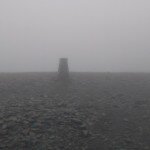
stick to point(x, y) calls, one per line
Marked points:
point(96, 35)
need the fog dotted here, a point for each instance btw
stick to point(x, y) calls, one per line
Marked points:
point(95, 35)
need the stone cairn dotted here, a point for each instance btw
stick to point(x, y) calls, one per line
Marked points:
point(63, 70)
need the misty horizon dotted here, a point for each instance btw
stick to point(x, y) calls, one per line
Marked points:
point(95, 36)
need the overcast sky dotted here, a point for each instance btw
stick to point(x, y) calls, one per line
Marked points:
point(96, 35)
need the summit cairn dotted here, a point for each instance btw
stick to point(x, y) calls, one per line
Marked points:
point(63, 70)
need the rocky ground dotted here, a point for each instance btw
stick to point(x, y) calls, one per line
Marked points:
point(94, 111)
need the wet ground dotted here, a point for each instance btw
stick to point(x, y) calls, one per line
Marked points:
point(94, 111)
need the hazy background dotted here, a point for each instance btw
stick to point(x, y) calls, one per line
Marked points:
point(96, 35)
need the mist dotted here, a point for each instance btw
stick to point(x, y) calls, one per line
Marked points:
point(95, 35)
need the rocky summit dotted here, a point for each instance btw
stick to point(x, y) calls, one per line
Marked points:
point(94, 111)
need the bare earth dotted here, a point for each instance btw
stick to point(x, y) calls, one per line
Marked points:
point(95, 111)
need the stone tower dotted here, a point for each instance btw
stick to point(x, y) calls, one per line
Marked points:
point(63, 70)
